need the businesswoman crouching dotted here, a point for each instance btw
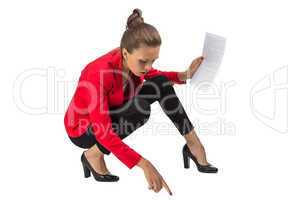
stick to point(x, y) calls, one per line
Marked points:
point(117, 90)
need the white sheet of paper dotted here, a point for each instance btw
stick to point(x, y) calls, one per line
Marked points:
point(213, 51)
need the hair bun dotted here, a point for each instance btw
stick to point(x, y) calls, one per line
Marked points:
point(135, 19)
point(138, 11)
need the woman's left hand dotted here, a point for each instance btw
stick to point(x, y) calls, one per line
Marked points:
point(189, 73)
point(194, 66)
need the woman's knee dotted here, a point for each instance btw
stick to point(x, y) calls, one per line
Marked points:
point(163, 83)
point(163, 86)
point(161, 80)
point(84, 141)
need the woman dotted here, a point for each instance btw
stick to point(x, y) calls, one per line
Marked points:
point(117, 89)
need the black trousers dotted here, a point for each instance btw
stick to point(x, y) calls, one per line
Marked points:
point(135, 112)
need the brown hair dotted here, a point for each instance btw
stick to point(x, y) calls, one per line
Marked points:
point(139, 33)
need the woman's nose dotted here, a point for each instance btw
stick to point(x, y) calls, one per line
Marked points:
point(148, 68)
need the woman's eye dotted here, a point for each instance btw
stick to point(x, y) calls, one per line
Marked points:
point(143, 62)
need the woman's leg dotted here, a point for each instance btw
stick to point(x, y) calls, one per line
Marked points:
point(160, 89)
point(93, 154)
point(196, 147)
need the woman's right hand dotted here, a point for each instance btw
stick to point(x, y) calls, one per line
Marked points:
point(153, 177)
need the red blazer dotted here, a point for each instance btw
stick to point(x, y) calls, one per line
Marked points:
point(96, 93)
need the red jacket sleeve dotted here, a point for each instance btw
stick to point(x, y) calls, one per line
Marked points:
point(102, 127)
point(171, 75)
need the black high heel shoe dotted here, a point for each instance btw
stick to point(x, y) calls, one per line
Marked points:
point(87, 168)
point(187, 155)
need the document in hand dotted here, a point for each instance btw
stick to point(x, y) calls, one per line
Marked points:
point(213, 51)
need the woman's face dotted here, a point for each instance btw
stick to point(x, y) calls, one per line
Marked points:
point(140, 60)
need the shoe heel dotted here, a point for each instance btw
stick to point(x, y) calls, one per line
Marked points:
point(87, 172)
point(186, 161)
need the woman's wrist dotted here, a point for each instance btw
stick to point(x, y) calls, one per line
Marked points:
point(183, 76)
point(142, 163)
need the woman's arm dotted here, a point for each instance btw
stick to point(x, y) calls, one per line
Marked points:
point(177, 77)
point(182, 76)
point(98, 108)
point(171, 75)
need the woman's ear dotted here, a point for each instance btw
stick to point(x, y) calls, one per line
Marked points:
point(124, 53)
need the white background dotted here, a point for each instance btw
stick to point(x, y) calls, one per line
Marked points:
point(258, 156)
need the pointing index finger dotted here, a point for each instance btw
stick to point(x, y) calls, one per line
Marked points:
point(166, 187)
